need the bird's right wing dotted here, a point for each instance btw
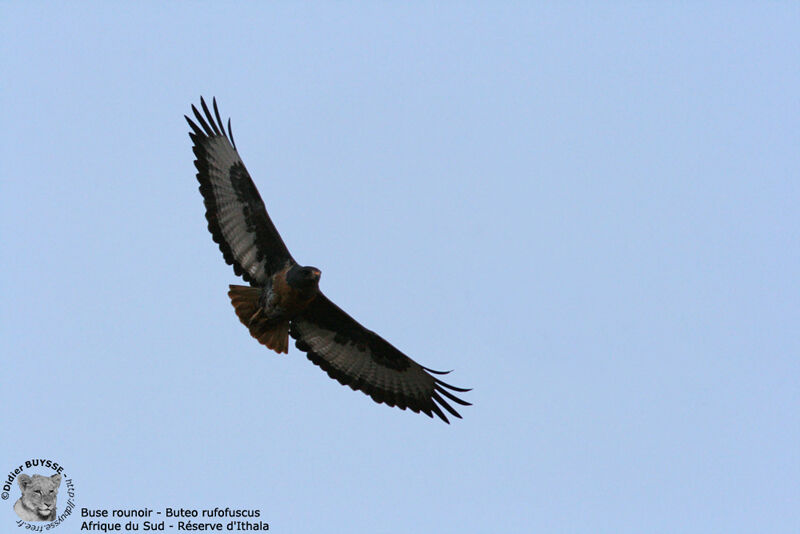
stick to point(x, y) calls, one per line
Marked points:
point(363, 360)
point(237, 217)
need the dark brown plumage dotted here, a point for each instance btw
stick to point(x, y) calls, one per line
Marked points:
point(284, 298)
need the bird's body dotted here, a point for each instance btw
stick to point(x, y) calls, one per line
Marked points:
point(267, 311)
point(284, 298)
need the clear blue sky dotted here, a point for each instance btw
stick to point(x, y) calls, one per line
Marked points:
point(591, 214)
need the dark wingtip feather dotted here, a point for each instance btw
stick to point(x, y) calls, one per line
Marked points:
point(195, 128)
point(451, 396)
point(438, 412)
point(211, 120)
point(454, 388)
point(211, 124)
point(435, 396)
point(219, 119)
point(437, 372)
point(209, 132)
point(230, 134)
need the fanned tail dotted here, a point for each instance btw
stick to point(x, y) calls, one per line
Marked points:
point(245, 301)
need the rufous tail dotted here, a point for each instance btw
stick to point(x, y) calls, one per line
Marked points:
point(245, 301)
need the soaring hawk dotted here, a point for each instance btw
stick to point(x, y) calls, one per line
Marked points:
point(284, 299)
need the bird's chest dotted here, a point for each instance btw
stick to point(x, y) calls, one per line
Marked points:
point(281, 301)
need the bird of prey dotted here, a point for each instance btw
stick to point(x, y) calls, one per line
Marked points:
point(284, 299)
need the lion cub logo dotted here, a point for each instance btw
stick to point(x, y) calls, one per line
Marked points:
point(38, 501)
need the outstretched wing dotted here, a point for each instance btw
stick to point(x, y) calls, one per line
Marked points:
point(237, 218)
point(363, 360)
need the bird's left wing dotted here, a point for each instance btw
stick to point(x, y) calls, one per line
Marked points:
point(361, 359)
point(237, 218)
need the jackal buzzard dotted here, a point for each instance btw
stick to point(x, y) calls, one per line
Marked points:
point(284, 299)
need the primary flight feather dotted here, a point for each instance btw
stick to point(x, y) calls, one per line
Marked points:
point(284, 299)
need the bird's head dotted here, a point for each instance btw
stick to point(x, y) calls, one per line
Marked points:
point(303, 277)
